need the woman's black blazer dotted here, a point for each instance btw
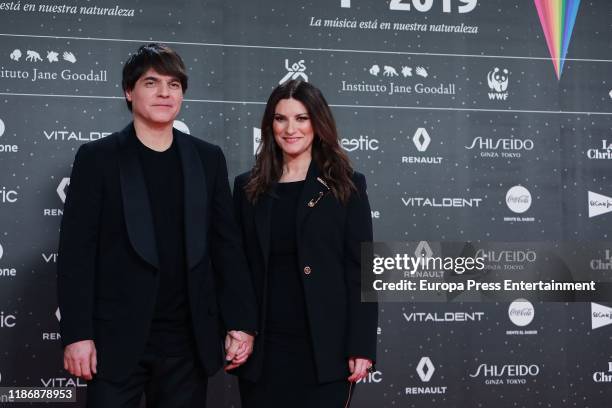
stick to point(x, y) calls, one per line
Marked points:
point(329, 237)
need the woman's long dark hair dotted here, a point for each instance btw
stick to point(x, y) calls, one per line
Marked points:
point(327, 154)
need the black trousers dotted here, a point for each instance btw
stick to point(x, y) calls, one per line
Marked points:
point(166, 382)
point(289, 378)
point(335, 394)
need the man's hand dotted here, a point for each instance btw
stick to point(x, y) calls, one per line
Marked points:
point(238, 347)
point(80, 359)
point(359, 368)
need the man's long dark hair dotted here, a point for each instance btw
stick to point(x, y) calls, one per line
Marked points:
point(328, 156)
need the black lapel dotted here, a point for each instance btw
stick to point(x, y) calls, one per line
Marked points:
point(312, 192)
point(263, 214)
point(136, 206)
point(195, 193)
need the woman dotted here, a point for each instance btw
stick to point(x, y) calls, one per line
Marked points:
point(304, 213)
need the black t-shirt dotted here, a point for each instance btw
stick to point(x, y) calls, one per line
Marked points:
point(171, 332)
point(286, 308)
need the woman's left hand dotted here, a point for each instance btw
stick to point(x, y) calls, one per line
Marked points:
point(359, 368)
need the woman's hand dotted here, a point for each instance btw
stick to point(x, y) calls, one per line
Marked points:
point(359, 368)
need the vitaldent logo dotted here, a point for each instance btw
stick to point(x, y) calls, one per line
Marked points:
point(497, 80)
point(599, 204)
point(6, 148)
point(63, 382)
point(425, 370)
point(521, 313)
point(507, 374)
point(63, 135)
point(505, 148)
point(601, 316)
point(602, 153)
point(421, 141)
point(362, 143)
point(518, 200)
point(446, 317)
point(443, 202)
point(7, 321)
point(6, 272)
point(49, 257)
point(8, 196)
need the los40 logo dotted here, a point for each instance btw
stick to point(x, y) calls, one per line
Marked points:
point(463, 6)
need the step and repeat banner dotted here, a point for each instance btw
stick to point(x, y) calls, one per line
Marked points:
point(473, 121)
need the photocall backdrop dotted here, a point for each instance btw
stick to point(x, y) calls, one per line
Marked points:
point(473, 120)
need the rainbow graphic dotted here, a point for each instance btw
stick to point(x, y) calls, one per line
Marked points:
point(557, 18)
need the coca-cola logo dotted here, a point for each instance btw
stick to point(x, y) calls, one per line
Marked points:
point(521, 312)
point(518, 199)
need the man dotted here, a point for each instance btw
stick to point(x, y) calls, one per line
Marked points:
point(151, 269)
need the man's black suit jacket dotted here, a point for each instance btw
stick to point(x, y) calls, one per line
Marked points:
point(329, 237)
point(108, 263)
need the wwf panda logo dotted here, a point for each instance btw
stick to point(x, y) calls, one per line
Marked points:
point(498, 79)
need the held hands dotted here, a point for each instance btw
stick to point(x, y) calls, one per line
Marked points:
point(359, 368)
point(238, 347)
point(80, 359)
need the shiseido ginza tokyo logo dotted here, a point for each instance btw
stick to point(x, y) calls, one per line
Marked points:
point(509, 148)
point(510, 374)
